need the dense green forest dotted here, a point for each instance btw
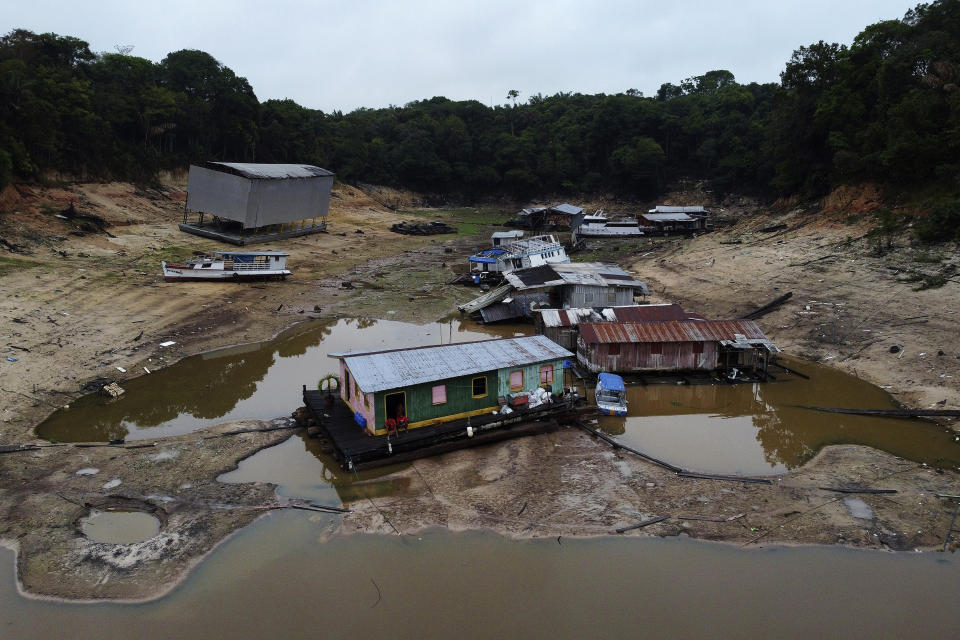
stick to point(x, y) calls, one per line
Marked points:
point(884, 109)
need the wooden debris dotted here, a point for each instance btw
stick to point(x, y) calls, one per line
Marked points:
point(895, 413)
point(710, 476)
point(640, 525)
point(767, 308)
point(857, 490)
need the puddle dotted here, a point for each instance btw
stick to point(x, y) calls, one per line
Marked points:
point(858, 508)
point(259, 381)
point(119, 527)
point(258, 584)
point(759, 429)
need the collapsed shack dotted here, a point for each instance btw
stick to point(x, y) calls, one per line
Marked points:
point(422, 228)
point(573, 285)
point(735, 346)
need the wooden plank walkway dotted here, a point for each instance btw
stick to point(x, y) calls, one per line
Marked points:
point(354, 448)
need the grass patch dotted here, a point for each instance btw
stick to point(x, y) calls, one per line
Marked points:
point(468, 221)
point(9, 265)
point(928, 258)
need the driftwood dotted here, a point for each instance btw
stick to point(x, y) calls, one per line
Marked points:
point(893, 413)
point(856, 490)
point(770, 306)
point(793, 371)
point(617, 445)
point(711, 476)
point(712, 518)
point(640, 525)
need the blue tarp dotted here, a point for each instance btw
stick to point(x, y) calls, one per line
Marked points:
point(483, 260)
point(611, 382)
point(487, 256)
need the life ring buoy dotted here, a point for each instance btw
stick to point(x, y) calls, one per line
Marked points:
point(330, 380)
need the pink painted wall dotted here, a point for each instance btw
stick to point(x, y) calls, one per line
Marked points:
point(356, 403)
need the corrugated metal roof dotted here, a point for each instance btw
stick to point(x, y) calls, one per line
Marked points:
point(380, 371)
point(650, 313)
point(670, 331)
point(667, 217)
point(589, 273)
point(566, 207)
point(507, 234)
point(671, 209)
point(251, 253)
point(566, 317)
point(268, 171)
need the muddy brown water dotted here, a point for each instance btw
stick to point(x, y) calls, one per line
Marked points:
point(281, 578)
point(260, 380)
point(762, 429)
point(119, 527)
point(744, 428)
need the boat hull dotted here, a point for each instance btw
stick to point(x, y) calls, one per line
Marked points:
point(179, 273)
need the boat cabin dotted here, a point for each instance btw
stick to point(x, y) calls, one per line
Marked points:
point(425, 386)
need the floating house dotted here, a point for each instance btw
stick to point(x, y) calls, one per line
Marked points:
point(673, 345)
point(563, 217)
point(498, 238)
point(562, 285)
point(243, 203)
point(561, 325)
point(427, 386)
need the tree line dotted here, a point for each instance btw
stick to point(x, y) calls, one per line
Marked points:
point(884, 109)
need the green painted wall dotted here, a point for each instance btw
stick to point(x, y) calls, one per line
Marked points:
point(531, 376)
point(459, 398)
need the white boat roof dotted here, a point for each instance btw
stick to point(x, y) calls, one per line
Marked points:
point(268, 171)
point(383, 370)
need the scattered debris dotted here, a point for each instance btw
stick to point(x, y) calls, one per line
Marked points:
point(112, 390)
point(422, 228)
point(645, 523)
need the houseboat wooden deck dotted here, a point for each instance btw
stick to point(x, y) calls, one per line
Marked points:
point(355, 448)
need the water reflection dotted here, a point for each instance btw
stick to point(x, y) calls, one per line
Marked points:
point(261, 380)
point(760, 429)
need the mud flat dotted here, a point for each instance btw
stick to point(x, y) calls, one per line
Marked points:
point(83, 305)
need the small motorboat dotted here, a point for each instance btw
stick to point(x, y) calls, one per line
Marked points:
point(229, 265)
point(611, 395)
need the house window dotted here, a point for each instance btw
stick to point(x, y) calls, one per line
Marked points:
point(346, 382)
point(516, 380)
point(356, 389)
point(656, 348)
point(440, 394)
point(698, 347)
point(613, 349)
point(546, 374)
point(366, 401)
point(588, 297)
point(480, 387)
point(612, 297)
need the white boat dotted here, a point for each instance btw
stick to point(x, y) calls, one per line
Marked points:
point(600, 226)
point(229, 265)
point(611, 394)
point(519, 253)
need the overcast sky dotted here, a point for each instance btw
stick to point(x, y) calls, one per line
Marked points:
point(358, 53)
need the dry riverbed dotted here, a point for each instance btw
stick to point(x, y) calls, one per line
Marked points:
point(79, 304)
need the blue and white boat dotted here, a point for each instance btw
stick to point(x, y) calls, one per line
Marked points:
point(611, 395)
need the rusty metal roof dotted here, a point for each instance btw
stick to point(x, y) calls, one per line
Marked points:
point(670, 331)
point(382, 370)
point(649, 313)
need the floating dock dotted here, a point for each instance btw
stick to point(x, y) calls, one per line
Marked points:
point(354, 448)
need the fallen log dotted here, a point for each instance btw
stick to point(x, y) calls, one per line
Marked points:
point(767, 308)
point(617, 445)
point(856, 490)
point(710, 476)
point(640, 525)
point(893, 413)
point(793, 371)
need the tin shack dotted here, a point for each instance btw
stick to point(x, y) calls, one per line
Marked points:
point(708, 345)
point(426, 386)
